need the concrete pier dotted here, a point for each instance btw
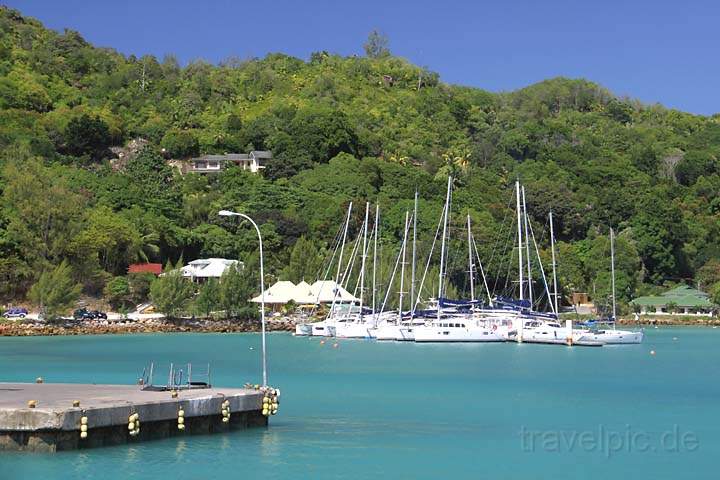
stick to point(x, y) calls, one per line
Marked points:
point(55, 424)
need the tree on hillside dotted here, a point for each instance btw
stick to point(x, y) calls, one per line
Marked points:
point(208, 298)
point(139, 284)
point(171, 293)
point(180, 144)
point(117, 292)
point(86, 135)
point(41, 215)
point(55, 291)
point(237, 286)
point(304, 263)
point(151, 183)
point(709, 274)
point(376, 45)
point(321, 132)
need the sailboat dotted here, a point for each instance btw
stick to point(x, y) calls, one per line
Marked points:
point(326, 327)
point(355, 323)
point(450, 324)
point(613, 336)
point(392, 325)
point(533, 326)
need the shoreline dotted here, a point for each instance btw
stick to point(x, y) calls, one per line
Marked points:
point(284, 324)
point(18, 329)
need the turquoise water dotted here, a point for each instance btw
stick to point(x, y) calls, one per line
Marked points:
point(368, 409)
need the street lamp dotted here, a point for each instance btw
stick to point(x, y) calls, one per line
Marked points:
point(228, 213)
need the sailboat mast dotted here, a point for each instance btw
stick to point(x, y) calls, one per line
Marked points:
point(340, 257)
point(374, 276)
point(554, 266)
point(519, 236)
point(527, 250)
point(402, 267)
point(470, 263)
point(612, 268)
point(442, 249)
point(342, 246)
point(414, 253)
point(363, 258)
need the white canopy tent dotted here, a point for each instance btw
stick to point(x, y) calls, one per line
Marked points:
point(322, 291)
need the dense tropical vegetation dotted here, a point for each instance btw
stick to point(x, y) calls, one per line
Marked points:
point(341, 129)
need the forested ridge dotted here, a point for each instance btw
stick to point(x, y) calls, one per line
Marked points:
point(373, 128)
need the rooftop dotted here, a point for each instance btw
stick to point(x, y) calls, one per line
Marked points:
point(207, 267)
point(322, 291)
point(682, 296)
point(154, 268)
point(229, 157)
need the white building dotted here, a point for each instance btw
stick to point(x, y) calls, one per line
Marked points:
point(252, 161)
point(202, 269)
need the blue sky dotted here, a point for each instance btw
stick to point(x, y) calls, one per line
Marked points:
point(656, 51)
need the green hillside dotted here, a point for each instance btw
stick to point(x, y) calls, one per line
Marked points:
point(341, 129)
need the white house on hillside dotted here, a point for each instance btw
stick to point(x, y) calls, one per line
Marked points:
point(202, 269)
point(252, 161)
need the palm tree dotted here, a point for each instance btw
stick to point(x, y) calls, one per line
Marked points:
point(144, 248)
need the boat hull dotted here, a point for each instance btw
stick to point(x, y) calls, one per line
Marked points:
point(615, 337)
point(354, 330)
point(387, 332)
point(439, 334)
point(303, 329)
point(321, 329)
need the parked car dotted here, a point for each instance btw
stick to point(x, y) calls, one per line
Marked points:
point(85, 314)
point(15, 312)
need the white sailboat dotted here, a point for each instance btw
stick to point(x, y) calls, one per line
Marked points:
point(354, 324)
point(452, 327)
point(390, 324)
point(537, 327)
point(326, 327)
point(613, 336)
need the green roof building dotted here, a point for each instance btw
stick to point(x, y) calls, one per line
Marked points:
point(682, 300)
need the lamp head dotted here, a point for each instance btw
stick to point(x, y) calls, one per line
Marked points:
point(226, 213)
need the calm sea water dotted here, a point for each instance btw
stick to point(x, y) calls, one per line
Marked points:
point(368, 409)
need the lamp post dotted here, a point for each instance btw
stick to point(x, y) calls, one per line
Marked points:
point(228, 213)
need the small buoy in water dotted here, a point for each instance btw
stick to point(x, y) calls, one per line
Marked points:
point(252, 348)
point(335, 345)
point(674, 338)
point(652, 352)
point(322, 342)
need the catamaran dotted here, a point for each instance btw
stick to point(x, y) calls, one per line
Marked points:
point(458, 326)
